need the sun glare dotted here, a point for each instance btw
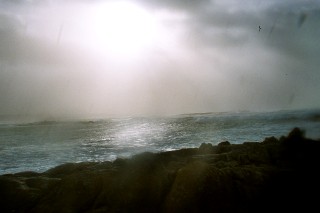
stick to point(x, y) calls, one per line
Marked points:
point(123, 28)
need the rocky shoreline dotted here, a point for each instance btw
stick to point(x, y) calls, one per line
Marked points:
point(277, 174)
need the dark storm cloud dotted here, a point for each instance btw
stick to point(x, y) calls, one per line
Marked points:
point(289, 39)
point(213, 23)
point(232, 24)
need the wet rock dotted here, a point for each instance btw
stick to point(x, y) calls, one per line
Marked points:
point(276, 174)
point(224, 143)
point(223, 147)
point(205, 148)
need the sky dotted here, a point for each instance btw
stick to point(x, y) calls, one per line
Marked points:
point(100, 58)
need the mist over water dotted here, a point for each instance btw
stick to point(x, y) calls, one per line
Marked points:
point(39, 146)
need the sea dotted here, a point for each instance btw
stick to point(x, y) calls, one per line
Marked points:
point(40, 145)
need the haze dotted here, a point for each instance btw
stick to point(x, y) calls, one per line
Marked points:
point(98, 58)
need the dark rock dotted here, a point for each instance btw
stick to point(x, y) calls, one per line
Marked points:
point(270, 140)
point(296, 134)
point(224, 143)
point(223, 147)
point(205, 148)
point(273, 175)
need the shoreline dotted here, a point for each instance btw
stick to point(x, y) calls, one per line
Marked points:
point(277, 173)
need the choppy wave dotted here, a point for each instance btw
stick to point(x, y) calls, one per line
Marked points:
point(40, 145)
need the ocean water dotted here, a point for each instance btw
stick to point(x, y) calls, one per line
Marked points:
point(39, 146)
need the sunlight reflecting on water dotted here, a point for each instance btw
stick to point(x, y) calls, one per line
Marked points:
point(42, 145)
point(139, 135)
point(122, 138)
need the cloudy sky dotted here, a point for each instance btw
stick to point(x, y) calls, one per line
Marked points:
point(150, 57)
